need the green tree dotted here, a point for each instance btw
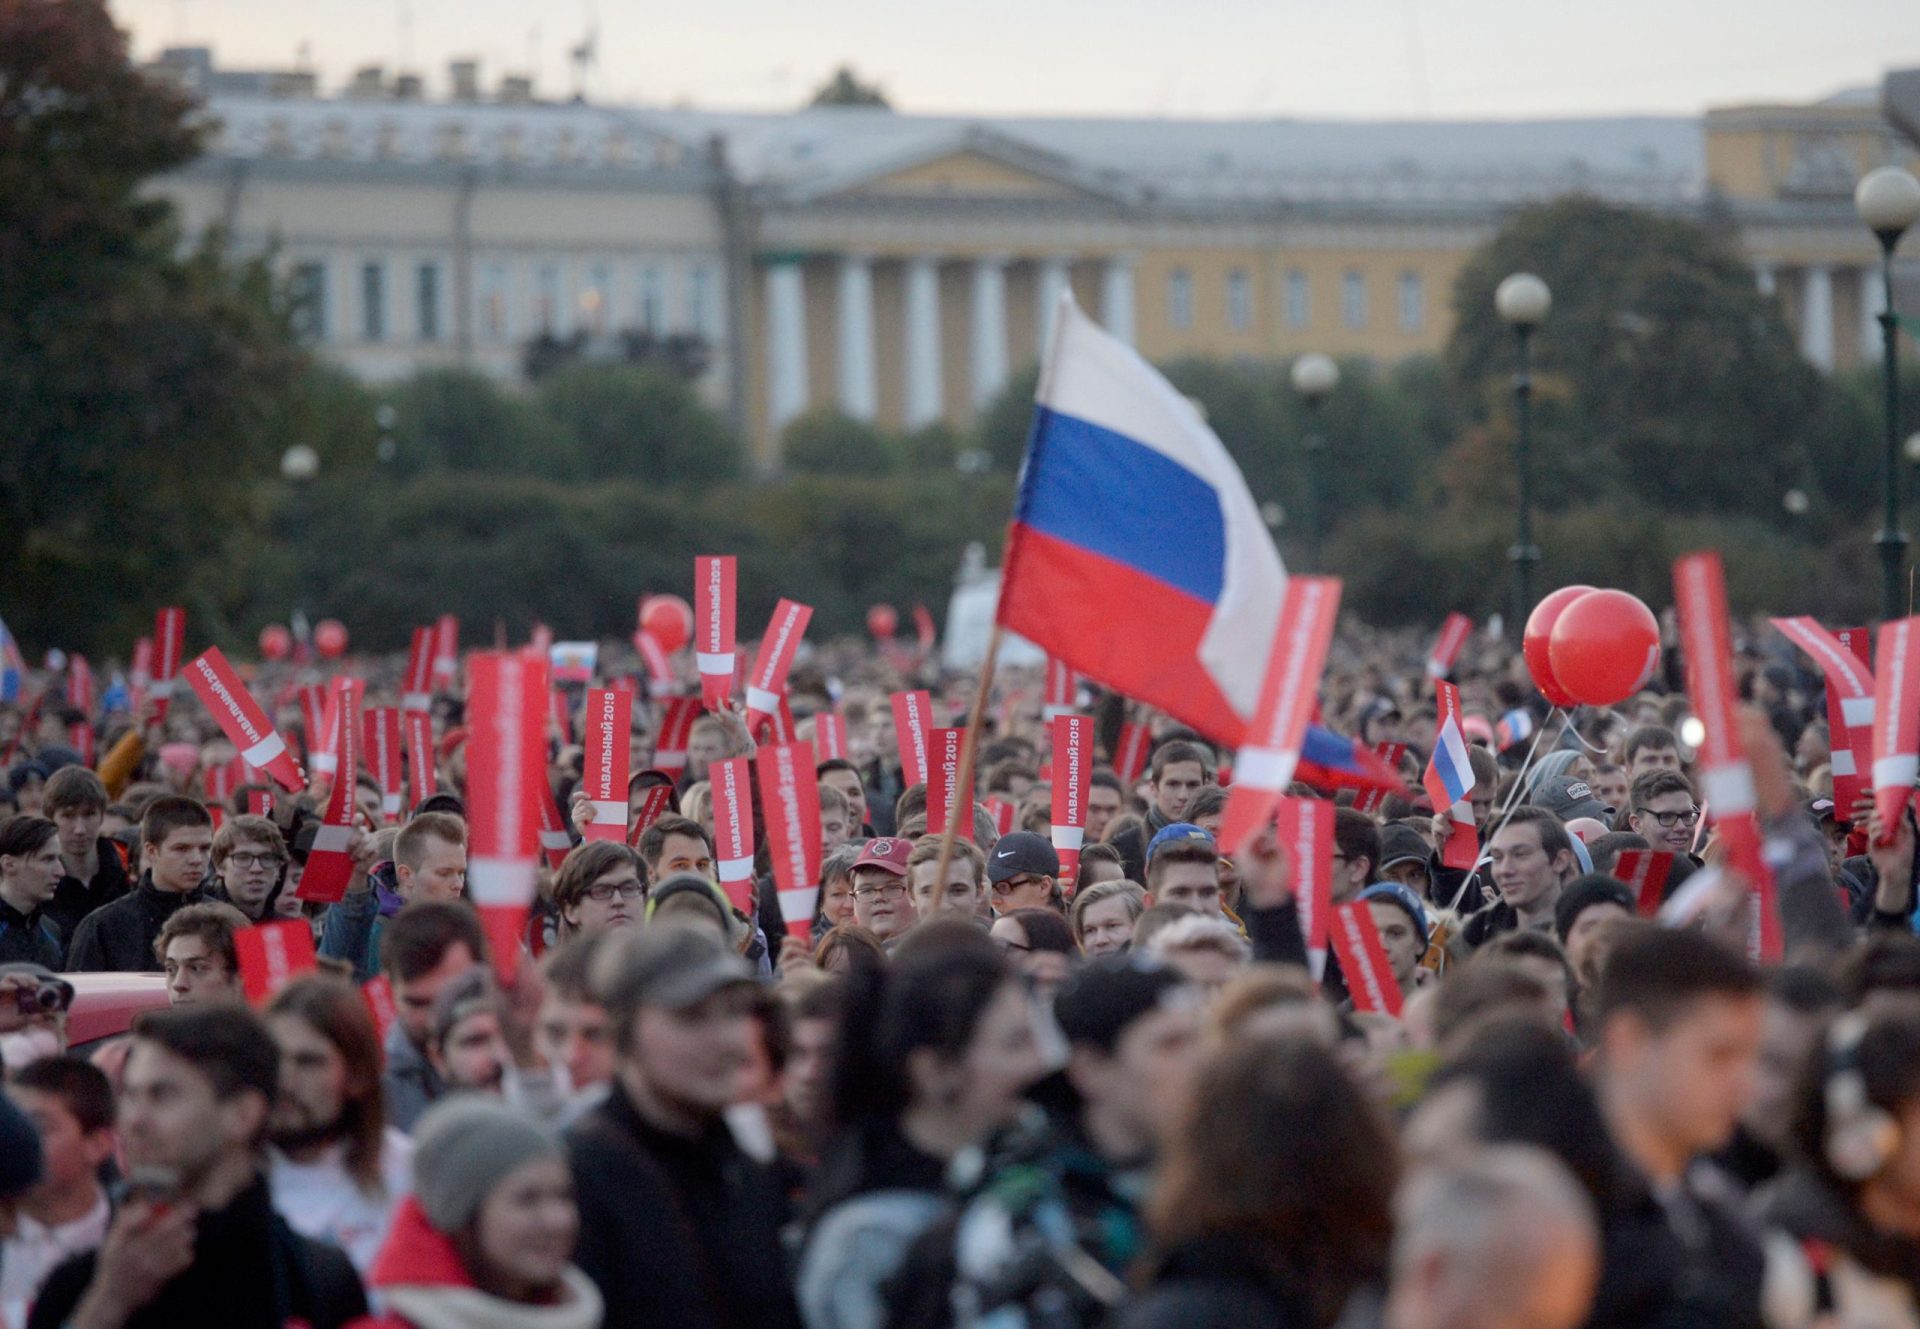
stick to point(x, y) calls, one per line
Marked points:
point(460, 420)
point(830, 442)
point(137, 384)
point(845, 88)
point(646, 423)
point(1665, 380)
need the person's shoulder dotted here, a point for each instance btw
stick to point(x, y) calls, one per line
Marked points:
point(60, 1294)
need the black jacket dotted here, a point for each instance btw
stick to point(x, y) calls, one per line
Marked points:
point(31, 938)
point(250, 1271)
point(1216, 1283)
point(677, 1231)
point(120, 936)
point(1812, 1210)
point(74, 899)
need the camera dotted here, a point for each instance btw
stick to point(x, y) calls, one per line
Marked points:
point(47, 996)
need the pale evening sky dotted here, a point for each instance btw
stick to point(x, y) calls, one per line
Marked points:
point(1312, 58)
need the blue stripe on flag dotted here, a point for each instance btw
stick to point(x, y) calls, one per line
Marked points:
point(1118, 498)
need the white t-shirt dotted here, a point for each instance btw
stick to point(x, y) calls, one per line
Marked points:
point(321, 1200)
point(36, 1250)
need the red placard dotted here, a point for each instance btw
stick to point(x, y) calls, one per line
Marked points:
point(420, 775)
point(80, 739)
point(140, 670)
point(555, 843)
point(767, 680)
point(923, 630)
point(1131, 751)
point(259, 802)
point(784, 729)
point(329, 866)
point(1062, 684)
point(382, 729)
point(1072, 779)
point(1446, 647)
point(733, 830)
point(1371, 799)
point(652, 805)
point(1304, 828)
point(1896, 718)
point(714, 578)
point(378, 994)
point(1003, 811)
point(562, 714)
point(912, 718)
point(830, 735)
point(313, 720)
point(506, 770)
point(240, 718)
point(220, 781)
point(80, 684)
point(660, 678)
point(1842, 658)
point(446, 649)
point(1264, 767)
point(790, 800)
point(949, 791)
point(1726, 779)
point(416, 687)
point(1363, 961)
point(272, 955)
point(609, 754)
point(169, 634)
point(677, 715)
point(1644, 872)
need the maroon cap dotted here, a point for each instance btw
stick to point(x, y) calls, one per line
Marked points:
point(888, 852)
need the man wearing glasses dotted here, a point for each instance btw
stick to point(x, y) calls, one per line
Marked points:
point(881, 903)
point(1664, 812)
point(249, 860)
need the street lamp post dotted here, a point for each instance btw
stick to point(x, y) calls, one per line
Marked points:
point(1315, 376)
point(1888, 200)
point(1523, 300)
point(299, 465)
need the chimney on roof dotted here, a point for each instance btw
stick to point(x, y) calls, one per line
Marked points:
point(516, 89)
point(407, 87)
point(464, 77)
point(293, 84)
point(369, 83)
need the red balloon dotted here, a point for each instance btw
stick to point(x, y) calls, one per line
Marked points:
point(276, 643)
point(669, 619)
point(330, 638)
point(1604, 645)
point(1533, 643)
point(882, 620)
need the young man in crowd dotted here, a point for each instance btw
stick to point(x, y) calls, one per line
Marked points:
point(30, 873)
point(197, 953)
point(841, 774)
point(676, 844)
point(882, 904)
point(176, 844)
point(1179, 769)
point(467, 1042)
point(1105, 801)
point(198, 1234)
point(336, 1168)
point(70, 1104)
point(571, 1032)
point(1023, 872)
point(96, 866)
point(962, 895)
point(1530, 857)
point(1356, 854)
point(429, 864)
point(1183, 868)
point(1661, 810)
point(249, 860)
point(837, 824)
point(426, 948)
point(1651, 747)
point(677, 1225)
point(1401, 924)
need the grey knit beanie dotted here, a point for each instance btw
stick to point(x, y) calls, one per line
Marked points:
point(463, 1148)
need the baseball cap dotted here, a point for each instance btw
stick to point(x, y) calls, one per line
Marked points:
point(1022, 851)
point(1392, 892)
point(887, 852)
point(673, 966)
point(1822, 811)
point(1179, 830)
point(1568, 798)
point(1100, 999)
point(1400, 843)
point(1582, 894)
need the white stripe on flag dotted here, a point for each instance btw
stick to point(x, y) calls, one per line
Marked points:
point(1842, 762)
point(736, 869)
point(609, 812)
point(1729, 789)
point(332, 839)
point(1857, 712)
point(1895, 772)
point(498, 881)
point(1069, 837)
point(709, 663)
point(759, 699)
point(1264, 768)
point(265, 750)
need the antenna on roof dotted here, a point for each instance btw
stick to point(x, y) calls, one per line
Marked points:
point(584, 56)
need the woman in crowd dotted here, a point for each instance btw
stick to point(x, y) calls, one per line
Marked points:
point(1041, 944)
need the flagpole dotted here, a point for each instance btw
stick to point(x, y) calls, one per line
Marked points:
point(969, 743)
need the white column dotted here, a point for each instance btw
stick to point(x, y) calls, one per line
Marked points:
point(1053, 280)
point(859, 389)
point(1873, 301)
point(989, 329)
point(1764, 279)
point(1816, 317)
point(1116, 297)
point(923, 342)
point(786, 343)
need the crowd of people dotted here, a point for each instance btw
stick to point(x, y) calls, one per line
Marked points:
point(982, 1087)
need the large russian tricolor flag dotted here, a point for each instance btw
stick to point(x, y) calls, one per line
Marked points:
point(1136, 554)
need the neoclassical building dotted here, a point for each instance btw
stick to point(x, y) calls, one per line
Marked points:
point(902, 268)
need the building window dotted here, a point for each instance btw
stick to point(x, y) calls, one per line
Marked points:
point(1299, 305)
point(700, 308)
point(1353, 300)
point(1180, 299)
point(426, 295)
point(653, 301)
point(307, 301)
point(596, 298)
point(1239, 300)
point(373, 301)
point(1413, 302)
point(546, 299)
point(494, 326)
